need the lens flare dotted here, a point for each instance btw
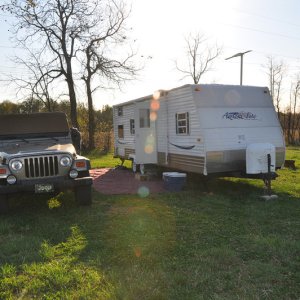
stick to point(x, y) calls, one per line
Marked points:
point(143, 192)
point(155, 105)
point(232, 98)
point(149, 144)
point(156, 95)
point(148, 149)
point(153, 116)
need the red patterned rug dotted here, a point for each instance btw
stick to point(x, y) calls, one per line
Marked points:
point(122, 181)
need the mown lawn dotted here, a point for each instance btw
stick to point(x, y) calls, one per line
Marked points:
point(212, 241)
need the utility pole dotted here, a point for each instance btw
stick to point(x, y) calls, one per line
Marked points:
point(241, 54)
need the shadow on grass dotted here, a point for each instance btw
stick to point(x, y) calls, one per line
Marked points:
point(220, 242)
point(236, 188)
point(42, 245)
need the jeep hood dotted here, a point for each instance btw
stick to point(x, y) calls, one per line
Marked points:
point(32, 147)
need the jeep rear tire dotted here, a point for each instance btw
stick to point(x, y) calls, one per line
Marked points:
point(83, 195)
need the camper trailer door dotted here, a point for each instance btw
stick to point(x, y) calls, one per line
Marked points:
point(145, 134)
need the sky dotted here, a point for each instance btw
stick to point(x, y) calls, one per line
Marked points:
point(159, 28)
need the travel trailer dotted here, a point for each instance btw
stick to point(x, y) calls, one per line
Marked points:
point(205, 129)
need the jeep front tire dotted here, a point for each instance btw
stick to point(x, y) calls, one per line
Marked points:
point(83, 195)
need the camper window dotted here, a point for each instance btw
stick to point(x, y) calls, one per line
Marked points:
point(120, 131)
point(182, 123)
point(132, 128)
point(144, 118)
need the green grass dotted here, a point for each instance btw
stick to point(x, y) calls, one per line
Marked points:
point(214, 241)
point(100, 160)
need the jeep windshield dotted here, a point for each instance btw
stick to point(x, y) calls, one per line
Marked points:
point(38, 125)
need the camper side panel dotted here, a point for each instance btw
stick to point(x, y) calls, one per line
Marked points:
point(124, 129)
point(179, 138)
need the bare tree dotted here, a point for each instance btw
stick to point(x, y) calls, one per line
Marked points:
point(38, 82)
point(276, 72)
point(293, 116)
point(107, 31)
point(200, 57)
point(55, 25)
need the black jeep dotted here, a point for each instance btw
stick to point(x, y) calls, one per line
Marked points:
point(37, 155)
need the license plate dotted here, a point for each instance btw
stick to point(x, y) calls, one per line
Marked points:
point(44, 188)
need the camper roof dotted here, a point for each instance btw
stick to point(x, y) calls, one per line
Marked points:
point(195, 87)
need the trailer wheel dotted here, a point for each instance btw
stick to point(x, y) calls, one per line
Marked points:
point(3, 204)
point(134, 166)
point(83, 195)
point(142, 169)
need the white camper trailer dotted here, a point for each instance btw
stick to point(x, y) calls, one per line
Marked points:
point(202, 128)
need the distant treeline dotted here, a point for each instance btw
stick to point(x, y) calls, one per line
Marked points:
point(103, 118)
point(290, 121)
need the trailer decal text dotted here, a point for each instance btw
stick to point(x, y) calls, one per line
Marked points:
point(242, 115)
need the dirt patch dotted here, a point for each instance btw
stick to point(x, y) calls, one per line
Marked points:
point(122, 181)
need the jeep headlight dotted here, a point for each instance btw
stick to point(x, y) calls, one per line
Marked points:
point(16, 165)
point(65, 161)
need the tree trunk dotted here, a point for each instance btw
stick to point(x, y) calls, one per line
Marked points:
point(72, 94)
point(91, 125)
point(289, 128)
point(73, 104)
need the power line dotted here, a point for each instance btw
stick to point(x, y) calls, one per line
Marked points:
point(12, 47)
point(262, 31)
point(267, 53)
point(277, 54)
point(12, 67)
point(265, 17)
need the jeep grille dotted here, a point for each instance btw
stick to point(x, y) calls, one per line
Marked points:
point(42, 166)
